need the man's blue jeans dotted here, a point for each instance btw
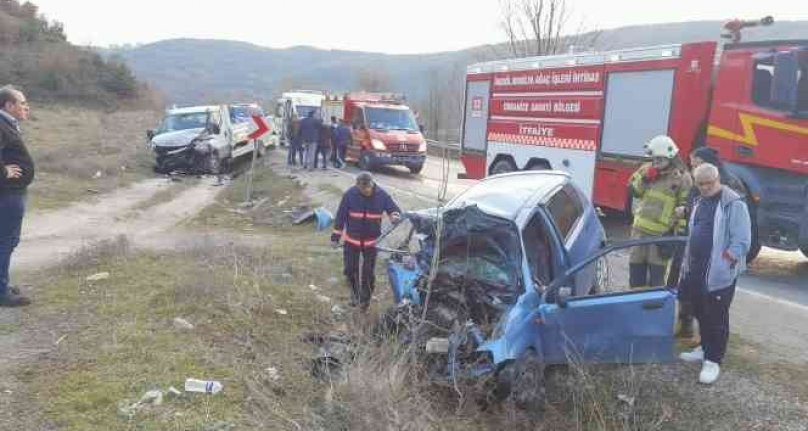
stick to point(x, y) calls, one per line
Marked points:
point(12, 208)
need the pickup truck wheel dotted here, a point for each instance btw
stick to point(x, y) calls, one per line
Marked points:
point(215, 165)
point(502, 166)
point(416, 169)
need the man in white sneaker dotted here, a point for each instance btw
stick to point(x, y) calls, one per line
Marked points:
point(719, 238)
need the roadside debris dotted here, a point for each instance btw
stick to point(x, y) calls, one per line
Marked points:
point(321, 216)
point(313, 287)
point(150, 398)
point(274, 375)
point(338, 310)
point(324, 299)
point(626, 399)
point(181, 323)
point(59, 341)
point(203, 386)
point(99, 277)
point(334, 352)
point(281, 311)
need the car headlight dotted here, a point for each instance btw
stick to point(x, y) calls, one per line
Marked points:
point(422, 147)
point(378, 145)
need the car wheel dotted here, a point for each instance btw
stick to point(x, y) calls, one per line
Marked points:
point(523, 382)
point(502, 166)
point(804, 250)
point(415, 169)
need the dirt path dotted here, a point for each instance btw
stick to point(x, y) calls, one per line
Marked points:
point(51, 236)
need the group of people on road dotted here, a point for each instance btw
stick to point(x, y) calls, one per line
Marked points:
point(314, 140)
point(708, 205)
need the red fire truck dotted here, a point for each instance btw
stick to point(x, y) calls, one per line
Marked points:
point(385, 131)
point(590, 114)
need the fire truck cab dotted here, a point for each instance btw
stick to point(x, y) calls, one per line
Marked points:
point(590, 114)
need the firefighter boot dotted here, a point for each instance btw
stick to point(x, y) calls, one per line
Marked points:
point(637, 275)
point(657, 275)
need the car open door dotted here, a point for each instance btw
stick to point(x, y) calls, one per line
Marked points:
point(634, 326)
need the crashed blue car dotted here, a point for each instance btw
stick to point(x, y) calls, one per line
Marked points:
point(517, 283)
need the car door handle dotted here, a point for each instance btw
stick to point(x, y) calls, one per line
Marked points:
point(653, 305)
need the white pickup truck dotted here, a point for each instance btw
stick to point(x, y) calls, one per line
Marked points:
point(201, 139)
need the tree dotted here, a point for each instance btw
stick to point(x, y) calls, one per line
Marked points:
point(540, 27)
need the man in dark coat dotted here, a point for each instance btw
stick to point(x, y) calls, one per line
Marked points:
point(16, 173)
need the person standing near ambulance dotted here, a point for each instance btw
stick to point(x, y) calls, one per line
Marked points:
point(658, 188)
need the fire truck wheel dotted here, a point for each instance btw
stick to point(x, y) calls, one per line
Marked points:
point(502, 166)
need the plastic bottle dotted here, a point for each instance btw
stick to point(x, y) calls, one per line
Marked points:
point(203, 386)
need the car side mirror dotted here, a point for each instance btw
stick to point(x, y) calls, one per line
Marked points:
point(563, 296)
point(150, 134)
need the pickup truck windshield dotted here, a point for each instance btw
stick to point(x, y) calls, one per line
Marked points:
point(390, 119)
point(193, 120)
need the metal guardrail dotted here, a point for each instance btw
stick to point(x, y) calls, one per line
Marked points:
point(451, 146)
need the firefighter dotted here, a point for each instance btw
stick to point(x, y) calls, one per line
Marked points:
point(658, 187)
point(358, 224)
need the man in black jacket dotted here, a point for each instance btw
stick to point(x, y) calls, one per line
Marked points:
point(16, 173)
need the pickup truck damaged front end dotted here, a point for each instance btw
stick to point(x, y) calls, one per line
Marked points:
point(187, 151)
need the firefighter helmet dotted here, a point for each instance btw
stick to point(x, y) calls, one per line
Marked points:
point(661, 146)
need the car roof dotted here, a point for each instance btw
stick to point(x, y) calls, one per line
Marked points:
point(194, 109)
point(506, 195)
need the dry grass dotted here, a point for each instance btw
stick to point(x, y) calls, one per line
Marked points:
point(71, 146)
point(252, 308)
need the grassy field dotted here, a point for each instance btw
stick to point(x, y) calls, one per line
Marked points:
point(252, 307)
point(80, 153)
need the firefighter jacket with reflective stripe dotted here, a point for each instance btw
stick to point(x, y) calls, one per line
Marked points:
point(359, 218)
point(655, 200)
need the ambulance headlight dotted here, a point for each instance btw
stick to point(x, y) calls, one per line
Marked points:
point(378, 145)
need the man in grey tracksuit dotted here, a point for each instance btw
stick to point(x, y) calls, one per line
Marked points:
point(719, 238)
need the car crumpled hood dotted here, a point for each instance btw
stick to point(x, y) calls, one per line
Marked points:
point(480, 258)
point(177, 138)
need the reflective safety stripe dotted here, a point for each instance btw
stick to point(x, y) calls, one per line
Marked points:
point(369, 216)
point(655, 214)
point(358, 242)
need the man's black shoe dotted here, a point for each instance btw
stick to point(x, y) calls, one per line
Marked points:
point(11, 299)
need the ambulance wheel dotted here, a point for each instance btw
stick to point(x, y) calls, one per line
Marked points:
point(365, 163)
point(415, 169)
point(502, 166)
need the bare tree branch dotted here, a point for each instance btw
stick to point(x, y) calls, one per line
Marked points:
point(540, 27)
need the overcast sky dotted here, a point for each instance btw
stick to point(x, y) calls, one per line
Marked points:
point(391, 26)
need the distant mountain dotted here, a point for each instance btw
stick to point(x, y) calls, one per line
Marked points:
point(192, 70)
